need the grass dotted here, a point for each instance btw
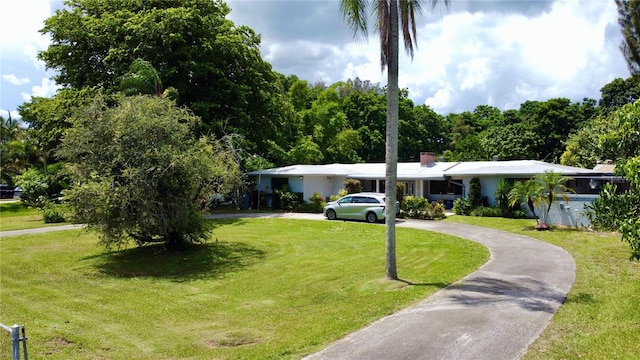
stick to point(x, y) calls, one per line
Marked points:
point(601, 316)
point(261, 288)
point(15, 216)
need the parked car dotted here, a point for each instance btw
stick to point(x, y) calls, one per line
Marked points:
point(360, 206)
point(6, 191)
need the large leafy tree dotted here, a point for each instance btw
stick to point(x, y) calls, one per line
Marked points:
point(391, 15)
point(139, 172)
point(215, 66)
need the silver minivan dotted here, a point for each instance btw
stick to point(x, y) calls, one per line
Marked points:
point(360, 206)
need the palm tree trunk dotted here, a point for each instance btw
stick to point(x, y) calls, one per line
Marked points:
point(391, 155)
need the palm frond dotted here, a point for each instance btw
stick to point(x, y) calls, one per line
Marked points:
point(354, 14)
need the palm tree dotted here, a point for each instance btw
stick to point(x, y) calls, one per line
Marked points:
point(143, 78)
point(529, 191)
point(553, 185)
point(390, 15)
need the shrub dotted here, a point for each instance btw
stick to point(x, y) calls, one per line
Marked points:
point(34, 185)
point(352, 186)
point(475, 192)
point(609, 210)
point(291, 201)
point(503, 188)
point(437, 210)
point(53, 213)
point(419, 208)
point(317, 202)
point(462, 206)
point(341, 193)
point(486, 211)
point(413, 205)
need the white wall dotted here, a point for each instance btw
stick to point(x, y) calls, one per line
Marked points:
point(564, 213)
point(320, 184)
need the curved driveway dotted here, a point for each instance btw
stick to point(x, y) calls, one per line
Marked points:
point(493, 313)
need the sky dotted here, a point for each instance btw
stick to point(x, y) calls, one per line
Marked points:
point(478, 52)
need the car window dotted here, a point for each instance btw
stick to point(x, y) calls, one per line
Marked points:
point(346, 200)
point(372, 200)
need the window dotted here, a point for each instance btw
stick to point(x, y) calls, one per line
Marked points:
point(444, 187)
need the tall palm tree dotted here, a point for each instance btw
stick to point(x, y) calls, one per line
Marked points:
point(390, 15)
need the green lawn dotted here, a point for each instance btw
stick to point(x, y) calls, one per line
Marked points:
point(601, 317)
point(14, 216)
point(261, 288)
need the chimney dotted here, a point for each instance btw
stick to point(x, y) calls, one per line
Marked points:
point(427, 158)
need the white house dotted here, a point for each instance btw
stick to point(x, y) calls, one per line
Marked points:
point(436, 180)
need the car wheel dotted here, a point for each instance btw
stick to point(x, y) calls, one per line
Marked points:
point(371, 217)
point(331, 215)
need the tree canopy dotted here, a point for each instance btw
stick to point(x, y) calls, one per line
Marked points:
point(215, 66)
point(140, 174)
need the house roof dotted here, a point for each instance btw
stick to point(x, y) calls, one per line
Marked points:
point(514, 168)
point(434, 171)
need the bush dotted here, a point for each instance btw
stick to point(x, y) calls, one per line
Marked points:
point(413, 205)
point(341, 193)
point(352, 186)
point(53, 213)
point(486, 211)
point(462, 206)
point(608, 211)
point(475, 192)
point(291, 201)
point(35, 186)
point(416, 207)
point(317, 203)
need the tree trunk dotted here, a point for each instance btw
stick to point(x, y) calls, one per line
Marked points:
point(391, 149)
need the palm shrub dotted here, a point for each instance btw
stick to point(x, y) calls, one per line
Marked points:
point(503, 187)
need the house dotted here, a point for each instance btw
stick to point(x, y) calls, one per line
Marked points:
point(437, 180)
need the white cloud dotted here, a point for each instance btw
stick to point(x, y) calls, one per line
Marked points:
point(11, 78)
point(47, 88)
point(21, 21)
point(14, 114)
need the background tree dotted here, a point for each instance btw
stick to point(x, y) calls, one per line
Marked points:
point(139, 172)
point(12, 149)
point(585, 148)
point(618, 93)
point(215, 66)
point(390, 15)
point(629, 20)
point(631, 220)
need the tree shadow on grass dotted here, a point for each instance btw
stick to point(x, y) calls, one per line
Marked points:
point(201, 261)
